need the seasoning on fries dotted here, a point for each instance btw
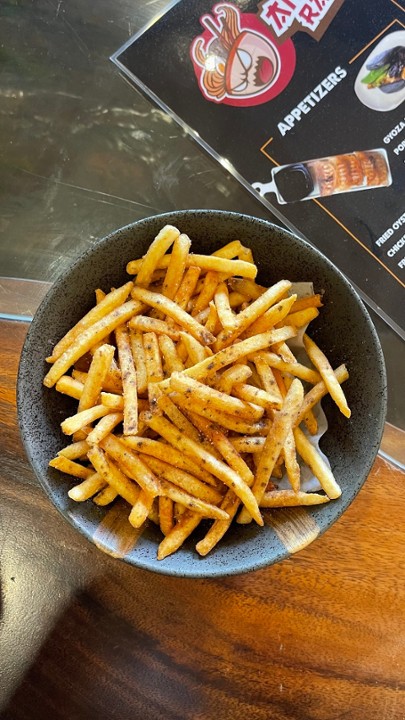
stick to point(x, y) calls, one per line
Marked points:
point(190, 403)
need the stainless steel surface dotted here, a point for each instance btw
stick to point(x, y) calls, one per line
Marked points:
point(82, 152)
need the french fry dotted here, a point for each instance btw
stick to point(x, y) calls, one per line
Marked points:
point(75, 451)
point(283, 422)
point(184, 480)
point(218, 529)
point(247, 444)
point(179, 533)
point(251, 313)
point(319, 391)
point(305, 302)
point(103, 309)
point(138, 356)
point(230, 422)
point(111, 473)
point(70, 386)
point(293, 368)
point(266, 375)
point(89, 337)
point(104, 427)
point(224, 310)
point(274, 315)
point(106, 496)
point(195, 351)
point(250, 289)
point(313, 459)
point(129, 384)
point(302, 317)
point(324, 367)
point(170, 455)
point(166, 514)
point(70, 467)
point(153, 359)
point(205, 262)
point(95, 377)
point(211, 397)
point(140, 511)
point(131, 464)
point(197, 452)
point(83, 418)
point(291, 464)
point(177, 417)
point(163, 240)
point(235, 352)
point(289, 498)
point(86, 489)
point(177, 266)
point(187, 287)
point(144, 323)
point(237, 373)
point(230, 250)
point(262, 398)
point(171, 361)
point(168, 307)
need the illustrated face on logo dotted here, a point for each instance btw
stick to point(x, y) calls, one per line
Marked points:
point(240, 64)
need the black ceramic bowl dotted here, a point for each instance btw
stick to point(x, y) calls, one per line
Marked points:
point(343, 330)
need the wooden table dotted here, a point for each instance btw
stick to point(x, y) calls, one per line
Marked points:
point(319, 636)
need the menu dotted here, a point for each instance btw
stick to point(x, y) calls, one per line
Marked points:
point(303, 101)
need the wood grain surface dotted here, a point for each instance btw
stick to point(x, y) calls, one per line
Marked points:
point(319, 636)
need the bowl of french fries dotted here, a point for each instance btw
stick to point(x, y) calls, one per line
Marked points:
point(202, 393)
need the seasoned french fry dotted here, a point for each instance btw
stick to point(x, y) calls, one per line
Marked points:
point(251, 313)
point(291, 464)
point(171, 361)
point(144, 323)
point(70, 467)
point(319, 391)
point(197, 452)
point(187, 287)
point(95, 377)
point(205, 262)
point(324, 367)
point(129, 384)
point(83, 418)
point(111, 473)
point(75, 451)
point(273, 315)
point(293, 368)
point(303, 303)
point(131, 464)
point(166, 514)
point(103, 428)
point(184, 480)
point(302, 317)
point(313, 459)
point(153, 360)
point(70, 386)
point(89, 337)
point(230, 250)
point(224, 310)
point(283, 422)
point(226, 420)
point(214, 398)
point(103, 309)
point(86, 489)
point(163, 240)
point(289, 498)
point(177, 417)
point(263, 398)
point(237, 373)
point(170, 455)
point(106, 496)
point(218, 529)
point(177, 266)
point(195, 351)
point(168, 307)
point(180, 532)
point(140, 511)
point(138, 356)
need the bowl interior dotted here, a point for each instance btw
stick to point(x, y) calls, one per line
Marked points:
point(343, 330)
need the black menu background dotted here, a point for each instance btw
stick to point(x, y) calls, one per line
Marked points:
point(343, 226)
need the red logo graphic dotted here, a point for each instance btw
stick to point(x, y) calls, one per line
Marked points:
point(237, 61)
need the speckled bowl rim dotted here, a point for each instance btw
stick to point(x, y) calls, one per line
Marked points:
point(199, 571)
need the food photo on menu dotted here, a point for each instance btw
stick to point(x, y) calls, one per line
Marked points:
point(299, 108)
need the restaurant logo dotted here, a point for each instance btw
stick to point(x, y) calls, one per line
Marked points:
point(286, 17)
point(237, 61)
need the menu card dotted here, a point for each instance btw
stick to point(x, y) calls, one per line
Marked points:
point(303, 101)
